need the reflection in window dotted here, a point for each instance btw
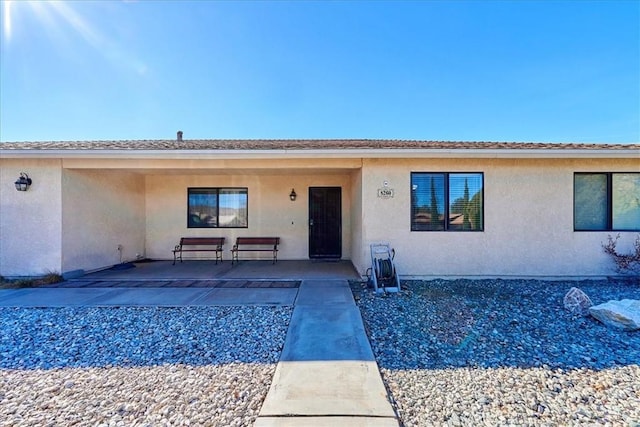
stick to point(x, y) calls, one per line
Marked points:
point(590, 195)
point(427, 202)
point(465, 196)
point(217, 207)
point(459, 195)
point(606, 201)
point(625, 200)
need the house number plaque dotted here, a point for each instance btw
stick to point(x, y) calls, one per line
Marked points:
point(385, 193)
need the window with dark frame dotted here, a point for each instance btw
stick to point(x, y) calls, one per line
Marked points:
point(447, 201)
point(606, 201)
point(217, 208)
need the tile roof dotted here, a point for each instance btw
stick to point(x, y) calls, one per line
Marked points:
point(303, 144)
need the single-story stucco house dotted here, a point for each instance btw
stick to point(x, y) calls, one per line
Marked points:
point(463, 209)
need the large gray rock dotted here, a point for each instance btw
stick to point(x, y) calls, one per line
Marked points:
point(577, 302)
point(624, 314)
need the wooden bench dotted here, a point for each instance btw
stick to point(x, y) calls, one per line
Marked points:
point(255, 244)
point(199, 244)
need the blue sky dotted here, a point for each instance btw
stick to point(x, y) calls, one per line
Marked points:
point(436, 70)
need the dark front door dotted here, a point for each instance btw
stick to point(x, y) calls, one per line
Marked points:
point(325, 222)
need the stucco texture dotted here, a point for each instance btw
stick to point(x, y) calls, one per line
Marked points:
point(271, 213)
point(79, 211)
point(528, 220)
point(30, 221)
point(101, 212)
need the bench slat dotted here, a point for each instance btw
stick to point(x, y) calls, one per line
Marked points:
point(202, 241)
point(198, 242)
point(248, 244)
point(257, 241)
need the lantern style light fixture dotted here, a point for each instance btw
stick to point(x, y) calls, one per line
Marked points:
point(293, 195)
point(23, 183)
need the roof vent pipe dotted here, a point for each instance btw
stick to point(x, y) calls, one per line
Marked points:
point(179, 136)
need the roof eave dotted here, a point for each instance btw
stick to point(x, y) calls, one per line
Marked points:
point(343, 153)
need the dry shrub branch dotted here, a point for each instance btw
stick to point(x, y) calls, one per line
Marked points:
point(625, 263)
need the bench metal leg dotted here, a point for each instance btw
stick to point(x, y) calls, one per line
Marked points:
point(176, 250)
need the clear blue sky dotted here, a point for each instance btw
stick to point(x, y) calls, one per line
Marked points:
point(437, 70)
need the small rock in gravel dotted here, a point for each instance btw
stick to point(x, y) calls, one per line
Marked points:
point(577, 302)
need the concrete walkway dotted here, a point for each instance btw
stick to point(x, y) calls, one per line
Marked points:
point(327, 374)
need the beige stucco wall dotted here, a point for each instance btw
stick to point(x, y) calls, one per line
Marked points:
point(30, 221)
point(357, 217)
point(79, 210)
point(101, 210)
point(271, 213)
point(528, 217)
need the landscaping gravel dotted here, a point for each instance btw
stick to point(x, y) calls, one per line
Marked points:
point(503, 352)
point(138, 366)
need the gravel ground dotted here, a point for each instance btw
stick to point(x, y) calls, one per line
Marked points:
point(137, 366)
point(503, 352)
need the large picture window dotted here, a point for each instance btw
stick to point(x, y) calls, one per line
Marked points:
point(217, 208)
point(447, 201)
point(606, 201)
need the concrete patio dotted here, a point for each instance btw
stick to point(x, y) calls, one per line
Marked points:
point(190, 283)
point(209, 270)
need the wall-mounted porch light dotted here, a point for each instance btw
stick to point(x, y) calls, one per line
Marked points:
point(293, 195)
point(23, 183)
